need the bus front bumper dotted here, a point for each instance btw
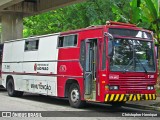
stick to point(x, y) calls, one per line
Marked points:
point(129, 97)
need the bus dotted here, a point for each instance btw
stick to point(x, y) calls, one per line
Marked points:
point(112, 63)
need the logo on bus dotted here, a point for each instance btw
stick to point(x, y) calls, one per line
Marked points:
point(62, 68)
point(41, 67)
point(113, 76)
point(35, 67)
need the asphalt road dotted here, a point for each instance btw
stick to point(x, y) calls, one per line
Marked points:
point(60, 109)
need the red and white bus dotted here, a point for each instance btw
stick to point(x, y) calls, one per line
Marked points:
point(111, 63)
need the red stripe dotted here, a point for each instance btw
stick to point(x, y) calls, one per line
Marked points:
point(38, 74)
point(19, 73)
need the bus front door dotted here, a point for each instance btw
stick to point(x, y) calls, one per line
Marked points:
point(90, 68)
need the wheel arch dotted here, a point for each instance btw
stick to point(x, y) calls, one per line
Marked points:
point(7, 79)
point(68, 83)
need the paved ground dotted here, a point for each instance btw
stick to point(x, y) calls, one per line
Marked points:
point(48, 106)
point(147, 102)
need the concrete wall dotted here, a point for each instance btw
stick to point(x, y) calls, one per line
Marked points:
point(13, 11)
point(12, 26)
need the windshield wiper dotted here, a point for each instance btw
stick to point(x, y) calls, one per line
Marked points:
point(132, 61)
point(128, 65)
point(142, 65)
point(139, 60)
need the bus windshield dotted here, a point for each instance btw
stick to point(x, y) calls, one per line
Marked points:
point(130, 55)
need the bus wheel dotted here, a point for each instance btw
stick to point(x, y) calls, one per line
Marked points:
point(11, 91)
point(75, 97)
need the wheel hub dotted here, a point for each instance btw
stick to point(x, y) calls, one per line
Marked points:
point(74, 95)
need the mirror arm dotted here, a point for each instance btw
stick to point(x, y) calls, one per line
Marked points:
point(109, 35)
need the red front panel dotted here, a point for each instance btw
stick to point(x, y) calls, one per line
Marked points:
point(128, 82)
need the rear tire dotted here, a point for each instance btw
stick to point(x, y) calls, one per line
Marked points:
point(75, 97)
point(11, 90)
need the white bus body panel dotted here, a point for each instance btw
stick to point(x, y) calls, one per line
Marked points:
point(32, 71)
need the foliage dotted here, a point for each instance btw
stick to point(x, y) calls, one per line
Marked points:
point(91, 12)
point(152, 15)
point(144, 13)
point(131, 14)
point(158, 91)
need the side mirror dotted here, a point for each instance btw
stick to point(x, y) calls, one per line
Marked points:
point(110, 43)
point(110, 48)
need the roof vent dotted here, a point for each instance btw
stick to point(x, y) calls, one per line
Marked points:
point(119, 23)
point(91, 26)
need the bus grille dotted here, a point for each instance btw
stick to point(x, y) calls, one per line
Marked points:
point(132, 83)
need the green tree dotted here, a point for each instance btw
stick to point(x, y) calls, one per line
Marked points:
point(151, 15)
point(81, 15)
point(144, 13)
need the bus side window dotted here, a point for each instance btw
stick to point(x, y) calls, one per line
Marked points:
point(67, 41)
point(31, 45)
point(82, 54)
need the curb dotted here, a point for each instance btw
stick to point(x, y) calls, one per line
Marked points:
point(142, 106)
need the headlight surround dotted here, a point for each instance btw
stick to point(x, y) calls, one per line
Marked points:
point(150, 87)
point(113, 87)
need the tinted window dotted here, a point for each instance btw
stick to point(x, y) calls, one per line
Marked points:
point(67, 41)
point(132, 55)
point(104, 55)
point(130, 33)
point(31, 45)
point(82, 54)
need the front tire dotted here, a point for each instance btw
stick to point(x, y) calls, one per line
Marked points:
point(75, 97)
point(11, 90)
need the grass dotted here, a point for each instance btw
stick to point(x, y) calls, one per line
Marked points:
point(158, 91)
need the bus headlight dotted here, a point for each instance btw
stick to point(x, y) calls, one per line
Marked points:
point(114, 87)
point(150, 87)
